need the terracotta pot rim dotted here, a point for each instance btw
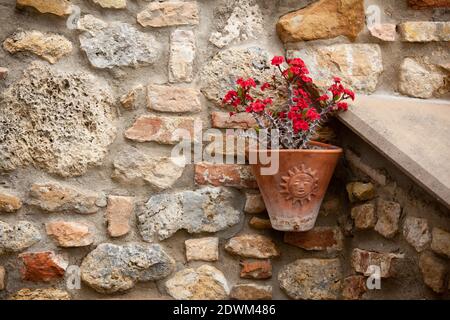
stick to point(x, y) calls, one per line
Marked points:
point(330, 149)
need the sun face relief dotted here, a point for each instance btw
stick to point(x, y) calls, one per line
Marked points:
point(300, 185)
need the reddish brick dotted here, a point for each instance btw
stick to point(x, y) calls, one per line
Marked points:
point(362, 259)
point(160, 129)
point(261, 269)
point(42, 266)
point(241, 120)
point(227, 175)
point(353, 287)
point(319, 238)
point(423, 4)
point(118, 214)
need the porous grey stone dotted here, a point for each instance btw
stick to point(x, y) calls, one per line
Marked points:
point(59, 122)
point(245, 21)
point(112, 268)
point(117, 44)
point(18, 237)
point(311, 279)
point(205, 210)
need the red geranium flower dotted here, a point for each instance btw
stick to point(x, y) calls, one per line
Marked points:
point(277, 60)
point(265, 86)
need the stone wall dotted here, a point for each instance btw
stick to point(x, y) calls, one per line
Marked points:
point(89, 109)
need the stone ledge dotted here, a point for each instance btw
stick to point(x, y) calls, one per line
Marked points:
point(412, 133)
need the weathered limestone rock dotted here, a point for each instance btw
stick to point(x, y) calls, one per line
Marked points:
point(317, 239)
point(254, 203)
point(18, 237)
point(353, 287)
point(2, 278)
point(252, 246)
point(227, 175)
point(112, 268)
point(132, 166)
point(165, 14)
point(204, 249)
point(91, 24)
point(69, 234)
point(364, 216)
point(41, 294)
point(50, 102)
point(251, 291)
point(129, 100)
point(50, 46)
point(241, 120)
point(422, 80)
point(384, 31)
point(222, 71)
point(259, 269)
point(434, 271)
point(416, 232)
point(236, 21)
point(423, 4)
point(388, 213)
point(203, 283)
point(3, 73)
point(9, 202)
point(358, 65)
point(441, 242)
point(204, 210)
point(56, 7)
point(161, 129)
point(259, 223)
point(358, 191)
point(323, 20)
point(311, 279)
point(167, 98)
point(182, 56)
point(55, 197)
point(118, 214)
point(118, 44)
point(43, 266)
point(114, 4)
point(425, 31)
point(362, 259)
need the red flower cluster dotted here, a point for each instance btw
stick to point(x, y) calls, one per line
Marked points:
point(302, 112)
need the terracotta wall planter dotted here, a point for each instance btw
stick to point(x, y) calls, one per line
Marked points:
point(294, 194)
